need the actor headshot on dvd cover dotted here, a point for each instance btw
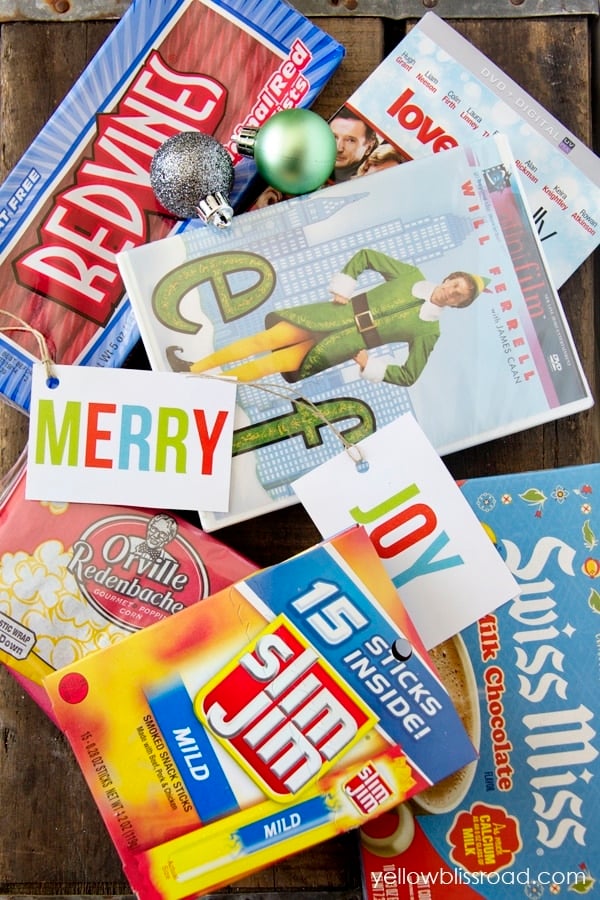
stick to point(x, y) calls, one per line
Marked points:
point(354, 139)
point(384, 156)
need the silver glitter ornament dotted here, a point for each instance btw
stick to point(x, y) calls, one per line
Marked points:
point(191, 175)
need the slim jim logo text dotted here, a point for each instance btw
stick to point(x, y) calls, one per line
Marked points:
point(281, 711)
point(413, 118)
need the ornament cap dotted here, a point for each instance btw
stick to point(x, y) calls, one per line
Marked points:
point(245, 140)
point(214, 209)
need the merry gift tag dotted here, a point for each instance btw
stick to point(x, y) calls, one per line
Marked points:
point(436, 552)
point(140, 438)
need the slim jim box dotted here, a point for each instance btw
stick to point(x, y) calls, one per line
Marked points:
point(248, 727)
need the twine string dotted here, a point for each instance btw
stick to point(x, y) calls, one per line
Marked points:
point(281, 391)
point(285, 393)
point(44, 353)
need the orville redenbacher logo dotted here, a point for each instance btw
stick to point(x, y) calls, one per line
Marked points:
point(137, 569)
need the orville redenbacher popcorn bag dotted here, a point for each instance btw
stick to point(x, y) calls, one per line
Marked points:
point(76, 577)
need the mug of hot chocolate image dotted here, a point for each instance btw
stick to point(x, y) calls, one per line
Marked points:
point(392, 833)
point(455, 669)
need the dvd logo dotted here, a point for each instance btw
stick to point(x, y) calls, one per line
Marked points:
point(412, 117)
point(281, 712)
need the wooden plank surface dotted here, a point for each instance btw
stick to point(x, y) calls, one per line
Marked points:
point(52, 841)
point(78, 10)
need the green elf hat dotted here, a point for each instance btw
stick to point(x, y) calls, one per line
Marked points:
point(480, 282)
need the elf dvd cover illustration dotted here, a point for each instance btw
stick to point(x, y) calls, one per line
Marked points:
point(81, 192)
point(275, 714)
point(420, 289)
point(521, 821)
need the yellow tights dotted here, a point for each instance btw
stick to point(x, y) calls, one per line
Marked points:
point(288, 344)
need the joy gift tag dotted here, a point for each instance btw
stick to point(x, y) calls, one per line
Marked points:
point(436, 552)
point(140, 438)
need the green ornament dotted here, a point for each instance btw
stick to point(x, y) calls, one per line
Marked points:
point(294, 150)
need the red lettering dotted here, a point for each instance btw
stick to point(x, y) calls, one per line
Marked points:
point(183, 97)
point(104, 212)
point(209, 440)
point(94, 434)
point(80, 238)
point(412, 117)
point(381, 532)
point(299, 54)
point(66, 276)
point(284, 89)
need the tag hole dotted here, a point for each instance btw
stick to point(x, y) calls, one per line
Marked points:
point(52, 382)
point(401, 649)
point(362, 466)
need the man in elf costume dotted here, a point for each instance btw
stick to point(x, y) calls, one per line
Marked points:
point(301, 341)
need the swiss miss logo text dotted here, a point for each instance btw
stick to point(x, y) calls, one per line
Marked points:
point(137, 569)
point(282, 712)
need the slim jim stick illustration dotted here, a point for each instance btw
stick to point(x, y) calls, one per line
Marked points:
point(190, 859)
point(187, 864)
